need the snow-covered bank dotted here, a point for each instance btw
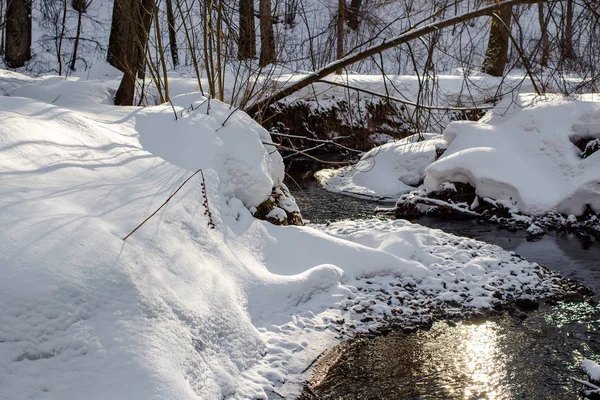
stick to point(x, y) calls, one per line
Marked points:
point(180, 310)
point(387, 171)
point(524, 153)
point(530, 161)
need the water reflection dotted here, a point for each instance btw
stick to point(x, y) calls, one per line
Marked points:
point(503, 358)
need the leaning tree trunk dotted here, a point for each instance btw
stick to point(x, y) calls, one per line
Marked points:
point(496, 55)
point(247, 38)
point(267, 37)
point(140, 15)
point(18, 33)
point(172, 33)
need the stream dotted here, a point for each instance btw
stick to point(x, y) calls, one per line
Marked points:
point(524, 356)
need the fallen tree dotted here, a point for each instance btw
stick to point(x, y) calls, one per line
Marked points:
point(258, 107)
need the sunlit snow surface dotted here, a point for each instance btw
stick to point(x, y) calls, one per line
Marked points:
point(182, 311)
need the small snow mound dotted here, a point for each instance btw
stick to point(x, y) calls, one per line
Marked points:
point(592, 369)
point(385, 172)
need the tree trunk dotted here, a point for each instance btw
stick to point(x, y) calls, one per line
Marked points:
point(79, 5)
point(140, 16)
point(544, 42)
point(61, 37)
point(567, 40)
point(290, 12)
point(77, 36)
point(247, 39)
point(119, 34)
point(353, 14)
point(172, 33)
point(18, 33)
point(1, 27)
point(496, 55)
point(340, 31)
point(267, 37)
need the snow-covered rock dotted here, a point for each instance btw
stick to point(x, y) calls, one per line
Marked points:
point(385, 172)
point(592, 369)
point(523, 152)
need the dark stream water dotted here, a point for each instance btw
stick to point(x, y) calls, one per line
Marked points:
point(527, 357)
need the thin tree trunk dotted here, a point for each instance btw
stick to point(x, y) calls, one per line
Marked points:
point(172, 33)
point(544, 42)
point(496, 55)
point(412, 34)
point(18, 33)
point(340, 31)
point(161, 52)
point(353, 14)
point(77, 36)
point(190, 43)
point(247, 36)
point(2, 19)
point(267, 37)
point(207, 41)
point(567, 42)
point(60, 38)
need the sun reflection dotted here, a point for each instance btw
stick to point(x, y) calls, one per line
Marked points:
point(475, 365)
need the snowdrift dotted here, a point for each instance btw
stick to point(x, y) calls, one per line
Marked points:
point(180, 310)
point(385, 172)
point(524, 153)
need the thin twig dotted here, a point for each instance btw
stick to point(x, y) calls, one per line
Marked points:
point(280, 146)
point(162, 205)
point(174, 112)
point(406, 102)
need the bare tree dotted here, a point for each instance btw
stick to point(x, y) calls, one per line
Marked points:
point(172, 33)
point(340, 31)
point(80, 6)
point(567, 40)
point(353, 14)
point(119, 33)
point(496, 55)
point(133, 48)
point(1, 27)
point(267, 37)
point(18, 33)
point(247, 35)
point(544, 42)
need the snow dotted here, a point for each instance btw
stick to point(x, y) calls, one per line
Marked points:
point(385, 172)
point(592, 369)
point(180, 310)
point(523, 153)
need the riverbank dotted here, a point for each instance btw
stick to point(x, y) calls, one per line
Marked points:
point(395, 365)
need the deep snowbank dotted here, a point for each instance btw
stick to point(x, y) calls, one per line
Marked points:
point(182, 311)
point(523, 153)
